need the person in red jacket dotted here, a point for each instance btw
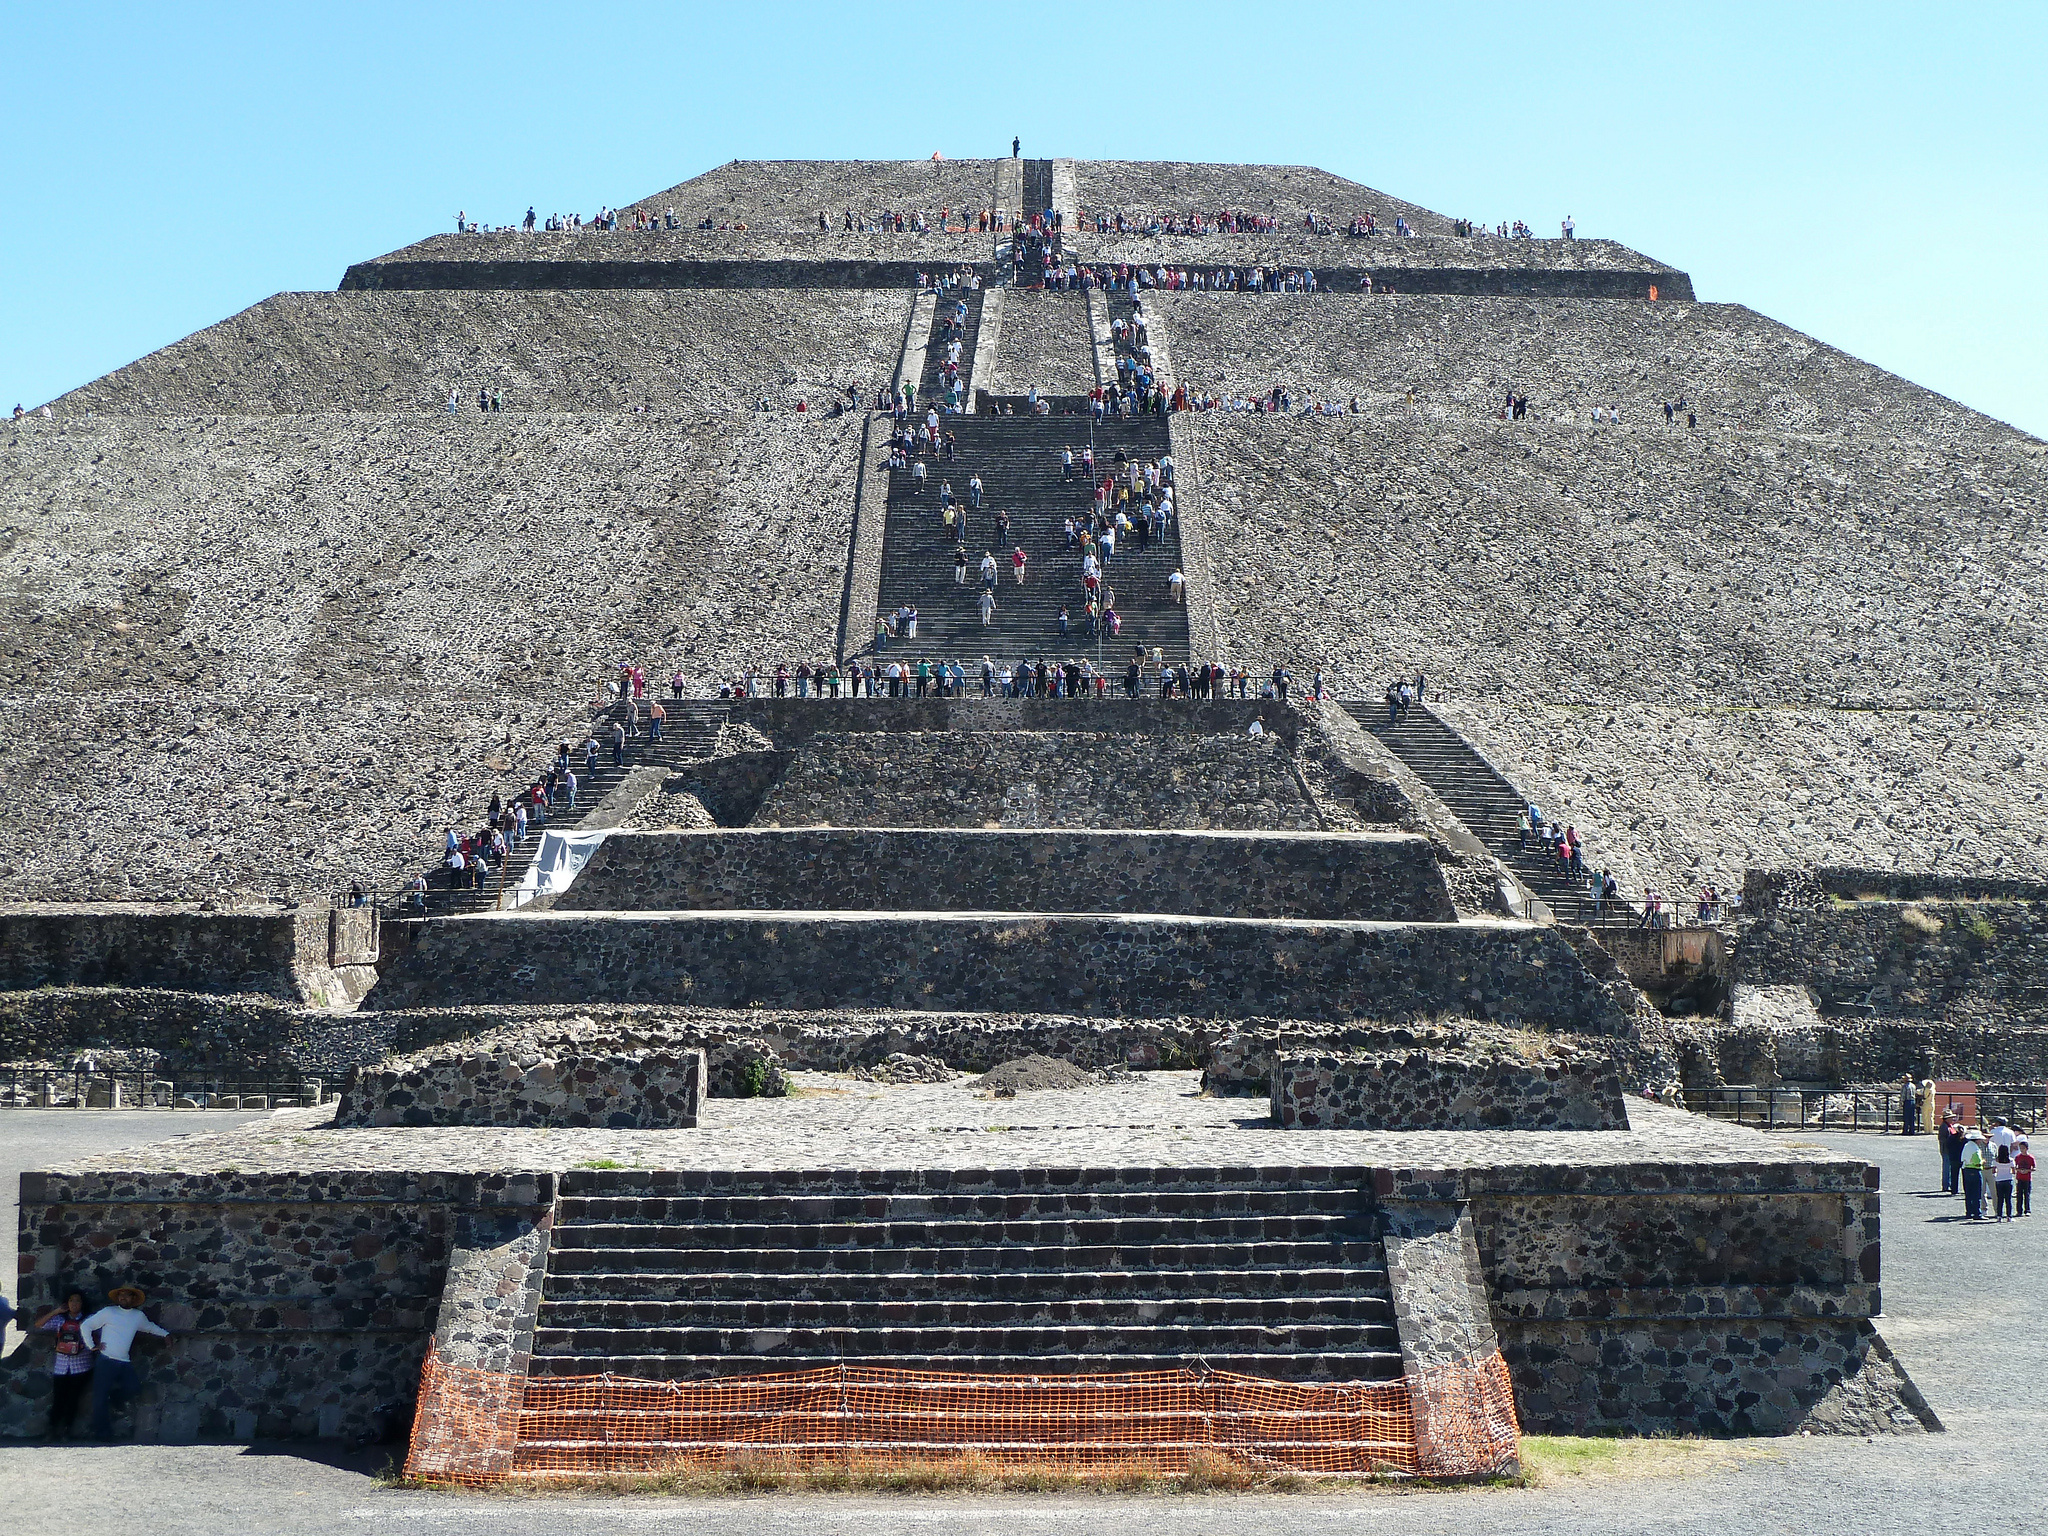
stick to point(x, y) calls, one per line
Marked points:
point(2023, 1178)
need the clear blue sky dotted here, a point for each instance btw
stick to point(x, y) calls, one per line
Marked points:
point(1872, 174)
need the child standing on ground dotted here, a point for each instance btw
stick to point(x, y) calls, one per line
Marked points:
point(2022, 1178)
point(2002, 1173)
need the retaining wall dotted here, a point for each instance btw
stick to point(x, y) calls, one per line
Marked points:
point(1263, 875)
point(1130, 967)
point(967, 778)
point(300, 1303)
point(283, 953)
point(619, 1090)
point(1679, 1298)
point(1434, 1089)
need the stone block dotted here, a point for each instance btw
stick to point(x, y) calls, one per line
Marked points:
point(1468, 1090)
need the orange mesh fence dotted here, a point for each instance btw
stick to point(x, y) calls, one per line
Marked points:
point(476, 1427)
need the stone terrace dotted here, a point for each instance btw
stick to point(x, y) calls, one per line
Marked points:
point(1283, 192)
point(1158, 1119)
point(790, 194)
point(688, 349)
point(1460, 355)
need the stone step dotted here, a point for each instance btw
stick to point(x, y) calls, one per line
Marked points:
point(572, 1258)
point(964, 1235)
point(1026, 1340)
point(666, 1182)
point(1301, 1365)
point(1039, 1287)
point(592, 1311)
point(1044, 1205)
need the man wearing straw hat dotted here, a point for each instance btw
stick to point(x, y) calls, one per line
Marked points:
point(110, 1334)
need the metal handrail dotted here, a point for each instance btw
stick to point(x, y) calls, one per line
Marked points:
point(135, 1088)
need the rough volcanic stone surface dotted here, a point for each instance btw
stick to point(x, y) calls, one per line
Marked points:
point(625, 1090)
point(1282, 192)
point(549, 352)
point(790, 194)
point(1463, 1090)
point(1045, 344)
point(226, 633)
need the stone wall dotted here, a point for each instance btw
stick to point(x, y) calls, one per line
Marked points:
point(1386, 877)
point(189, 1031)
point(300, 1304)
point(1067, 778)
point(281, 953)
point(1132, 967)
point(1683, 1297)
point(690, 351)
point(1937, 960)
point(620, 1090)
point(1462, 1090)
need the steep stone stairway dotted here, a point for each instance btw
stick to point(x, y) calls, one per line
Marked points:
point(1018, 459)
point(1487, 803)
point(930, 387)
point(691, 731)
point(1037, 188)
point(691, 1275)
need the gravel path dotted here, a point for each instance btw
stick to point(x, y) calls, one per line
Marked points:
point(1957, 1298)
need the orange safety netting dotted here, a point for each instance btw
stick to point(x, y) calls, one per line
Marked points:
point(475, 1427)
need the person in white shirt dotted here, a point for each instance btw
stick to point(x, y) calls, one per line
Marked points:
point(110, 1334)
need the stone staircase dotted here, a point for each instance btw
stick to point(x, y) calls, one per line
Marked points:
point(1018, 459)
point(931, 386)
point(1276, 1272)
point(691, 731)
point(1477, 795)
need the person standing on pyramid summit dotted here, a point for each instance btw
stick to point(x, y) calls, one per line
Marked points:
point(1016, 148)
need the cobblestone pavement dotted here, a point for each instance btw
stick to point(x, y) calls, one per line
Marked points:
point(1156, 1119)
point(1959, 1301)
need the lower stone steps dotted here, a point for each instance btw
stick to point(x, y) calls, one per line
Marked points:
point(1306, 1365)
point(570, 1258)
point(1095, 1312)
point(1047, 1287)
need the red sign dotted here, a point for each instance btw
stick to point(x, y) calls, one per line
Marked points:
point(1959, 1095)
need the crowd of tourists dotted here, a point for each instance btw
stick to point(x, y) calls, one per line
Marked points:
point(1146, 673)
point(1971, 1156)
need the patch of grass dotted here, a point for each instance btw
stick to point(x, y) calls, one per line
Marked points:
point(1549, 1460)
point(602, 1163)
point(1980, 928)
point(770, 1472)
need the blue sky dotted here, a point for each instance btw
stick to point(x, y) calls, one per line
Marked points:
point(1872, 174)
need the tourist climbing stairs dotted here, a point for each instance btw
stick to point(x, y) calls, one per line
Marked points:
point(931, 384)
point(689, 1275)
point(1018, 459)
point(690, 731)
point(1476, 794)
